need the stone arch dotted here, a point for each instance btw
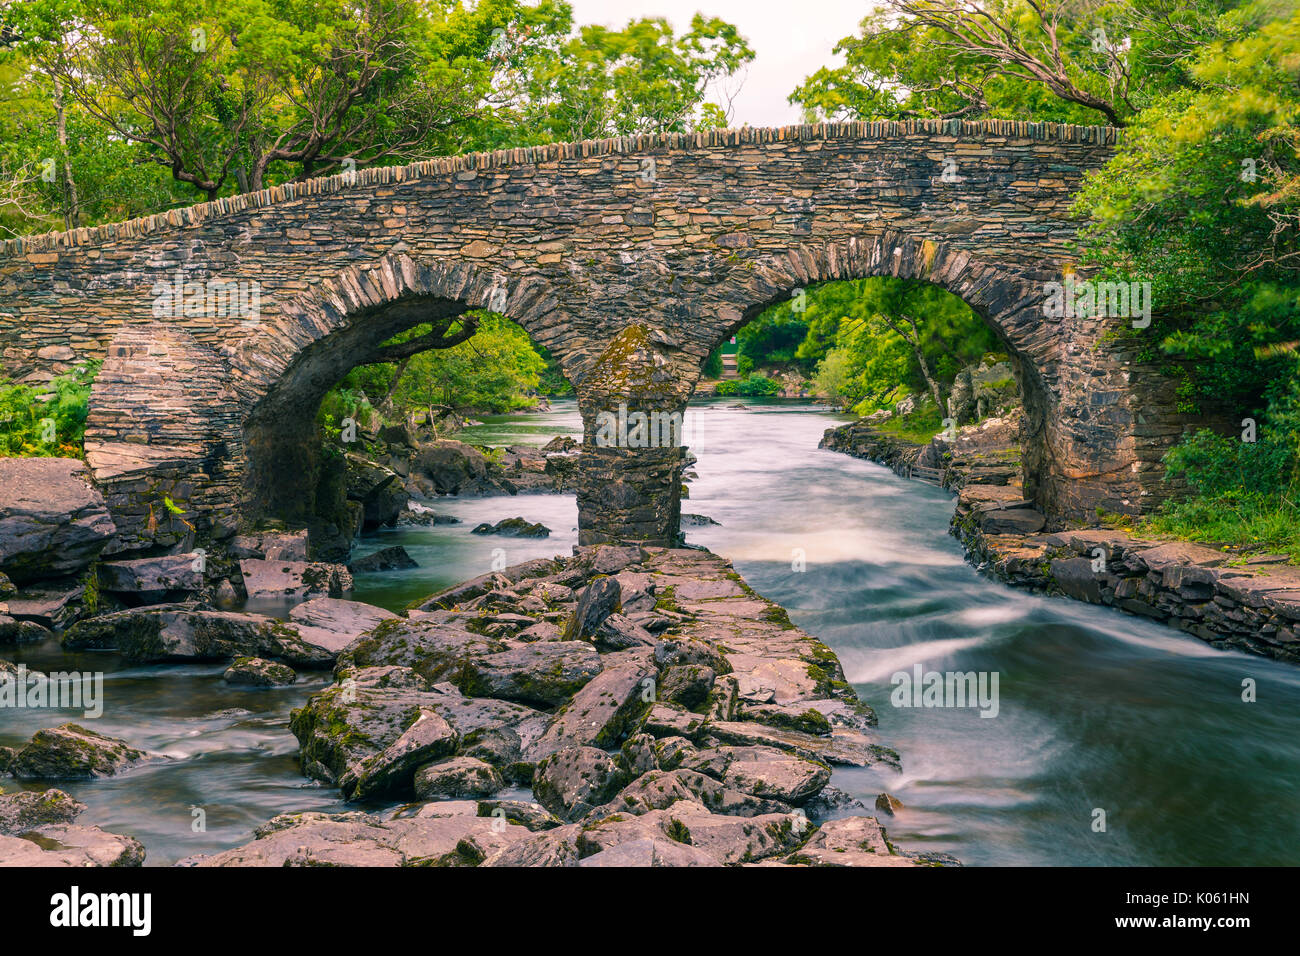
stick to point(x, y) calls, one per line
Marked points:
point(233, 428)
point(1009, 300)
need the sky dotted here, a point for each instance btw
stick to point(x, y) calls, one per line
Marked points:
point(790, 40)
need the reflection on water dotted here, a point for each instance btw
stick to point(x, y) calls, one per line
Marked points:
point(1098, 710)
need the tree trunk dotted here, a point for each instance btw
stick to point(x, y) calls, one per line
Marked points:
point(72, 205)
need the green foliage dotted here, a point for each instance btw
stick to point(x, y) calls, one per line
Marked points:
point(497, 370)
point(752, 387)
point(1217, 465)
point(919, 427)
point(49, 421)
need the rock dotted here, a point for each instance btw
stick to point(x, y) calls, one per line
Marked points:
point(68, 845)
point(598, 601)
point(152, 578)
point(606, 711)
point(70, 752)
point(53, 522)
point(844, 747)
point(380, 491)
point(513, 528)
point(256, 672)
point(832, 801)
point(546, 674)
point(669, 720)
point(49, 604)
point(561, 443)
point(392, 770)
point(573, 781)
point(360, 839)
point(1077, 579)
point(618, 633)
point(609, 558)
point(726, 839)
point(293, 579)
point(1011, 521)
point(423, 516)
point(433, 650)
point(533, 816)
point(686, 684)
point(180, 632)
point(637, 756)
point(888, 804)
point(27, 809)
point(763, 772)
point(697, 521)
point(850, 841)
point(455, 468)
point(332, 623)
point(21, 632)
point(650, 851)
point(393, 558)
point(271, 546)
point(458, 778)
point(660, 789)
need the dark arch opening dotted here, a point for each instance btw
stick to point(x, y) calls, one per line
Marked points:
point(289, 476)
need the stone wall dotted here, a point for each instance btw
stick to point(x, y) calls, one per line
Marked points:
point(684, 237)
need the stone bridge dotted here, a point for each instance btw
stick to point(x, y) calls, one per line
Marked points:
point(222, 325)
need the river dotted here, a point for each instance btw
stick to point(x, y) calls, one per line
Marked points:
point(1097, 710)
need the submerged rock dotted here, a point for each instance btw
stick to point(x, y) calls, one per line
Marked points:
point(513, 528)
point(26, 809)
point(256, 672)
point(393, 558)
point(71, 752)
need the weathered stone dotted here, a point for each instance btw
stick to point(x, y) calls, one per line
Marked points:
point(293, 579)
point(574, 780)
point(332, 623)
point(53, 522)
point(850, 841)
point(606, 711)
point(28, 809)
point(393, 558)
point(598, 601)
point(390, 771)
point(533, 816)
point(513, 528)
point(152, 579)
point(70, 752)
point(457, 779)
point(686, 684)
point(178, 632)
point(62, 844)
point(256, 672)
point(546, 674)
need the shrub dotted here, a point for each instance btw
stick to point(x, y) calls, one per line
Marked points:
point(46, 421)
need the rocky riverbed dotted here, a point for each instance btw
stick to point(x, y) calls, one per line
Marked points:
point(622, 706)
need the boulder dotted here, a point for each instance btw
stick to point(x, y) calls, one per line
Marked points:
point(763, 772)
point(457, 779)
point(181, 632)
point(293, 579)
point(850, 841)
point(21, 632)
point(598, 601)
point(573, 781)
point(433, 650)
point(513, 528)
point(361, 839)
point(455, 468)
point(271, 546)
point(70, 752)
point(533, 816)
point(392, 558)
point(53, 522)
point(391, 771)
point(686, 684)
point(257, 672)
point(1011, 521)
point(26, 809)
point(606, 711)
point(332, 623)
point(544, 673)
point(50, 604)
point(380, 491)
point(650, 851)
point(68, 845)
point(153, 580)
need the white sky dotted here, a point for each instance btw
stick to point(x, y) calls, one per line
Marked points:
point(790, 39)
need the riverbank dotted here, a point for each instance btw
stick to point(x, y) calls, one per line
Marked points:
point(1251, 603)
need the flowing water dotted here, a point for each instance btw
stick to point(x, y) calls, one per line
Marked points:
point(1096, 710)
